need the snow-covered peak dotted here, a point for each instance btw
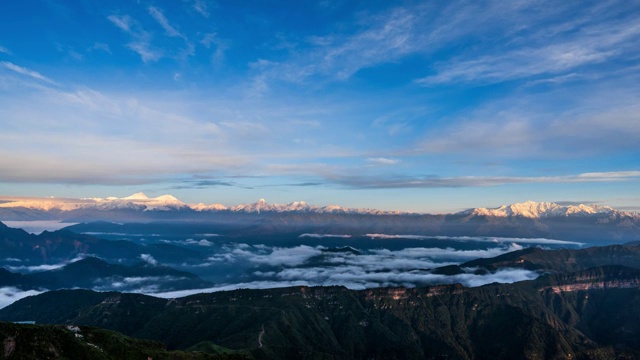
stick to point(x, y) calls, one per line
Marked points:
point(138, 201)
point(167, 198)
point(164, 202)
point(204, 207)
point(136, 196)
point(46, 204)
point(257, 207)
point(534, 210)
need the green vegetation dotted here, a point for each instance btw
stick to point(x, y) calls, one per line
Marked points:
point(81, 342)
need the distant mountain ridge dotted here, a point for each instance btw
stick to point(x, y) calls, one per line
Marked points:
point(536, 210)
point(63, 246)
point(141, 202)
point(584, 223)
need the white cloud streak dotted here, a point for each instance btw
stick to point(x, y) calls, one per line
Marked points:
point(321, 236)
point(149, 259)
point(493, 239)
point(281, 256)
point(383, 161)
point(141, 39)
point(44, 267)
point(24, 71)
point(164, 23)
point(373, 182)
point(355, 280)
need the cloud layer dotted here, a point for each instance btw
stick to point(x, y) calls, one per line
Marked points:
point(360, 268)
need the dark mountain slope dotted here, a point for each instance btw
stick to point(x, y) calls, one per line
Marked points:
point(63, 245)
point(563, 260)
point(588, 314)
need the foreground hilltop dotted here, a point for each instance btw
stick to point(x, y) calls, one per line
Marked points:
point(81, 342)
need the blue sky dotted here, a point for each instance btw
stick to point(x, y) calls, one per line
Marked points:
point(427, 106)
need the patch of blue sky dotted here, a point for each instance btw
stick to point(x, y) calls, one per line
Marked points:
point(411, 103)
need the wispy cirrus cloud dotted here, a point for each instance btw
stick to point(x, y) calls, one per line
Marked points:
point(158, 15)
point(597, 32)
point(141, 39)
point(200, 6)
point(170, 30)
point(26, 72)
point(210, 40)
point(385, 37)
point(102, 47)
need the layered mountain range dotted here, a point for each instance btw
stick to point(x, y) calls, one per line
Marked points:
point(64, 246)
point(594, 224)
point(590, 314)
point(142, 202)
point(583, 307)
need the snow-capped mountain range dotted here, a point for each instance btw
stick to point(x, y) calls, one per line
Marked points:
point(522, 220)
point(140, 201)
point(537, 210)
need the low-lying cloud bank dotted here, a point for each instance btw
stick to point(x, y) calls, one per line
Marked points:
point(257, 266)
point(357, 280)
point(267, 266)
point(375, 259)
point(24, 269)
point(9, 295)
point(321, 236)
point(492, 239)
